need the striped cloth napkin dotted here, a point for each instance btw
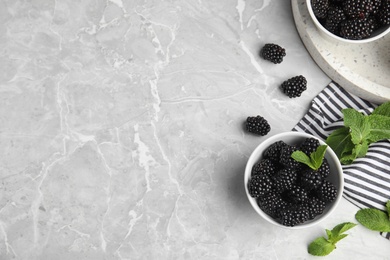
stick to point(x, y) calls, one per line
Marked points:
point(367, 179)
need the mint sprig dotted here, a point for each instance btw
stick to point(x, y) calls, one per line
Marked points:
point(322, 246)
point(359, 131)
point(315, 159)
point(375, 219)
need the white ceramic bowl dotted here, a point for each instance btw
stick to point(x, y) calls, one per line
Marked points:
point(336, 39)
point(292, 138)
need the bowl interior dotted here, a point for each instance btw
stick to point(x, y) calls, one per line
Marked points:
point(379, 33)
point(335, 177)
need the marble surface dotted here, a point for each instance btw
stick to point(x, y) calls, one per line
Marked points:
point(363, 69)
point(121, 130)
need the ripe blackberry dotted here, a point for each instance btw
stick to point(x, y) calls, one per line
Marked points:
point(315, 207)
point(309, 145)
point(356, 29)
point(264, 166)
point(324, 169)
point(293, 216)
point(271, 203)
point(376, 6)
point(284, 179)
point(326, 192)
point(320, 7)
point(294, 86)
point(285, 157)
point(310, 179)
point(257, 125)
point(334, 19)
point(296, 195)
point(273, 151)
point(259, 185)
point(358, 8)
point(384, 13)
point(273, 52)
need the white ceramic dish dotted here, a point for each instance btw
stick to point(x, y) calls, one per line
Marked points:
point(336, 176)
point(361, 69)
point(336, 39)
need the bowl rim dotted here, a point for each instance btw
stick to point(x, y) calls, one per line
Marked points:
point(255, 157)
point(331, 35)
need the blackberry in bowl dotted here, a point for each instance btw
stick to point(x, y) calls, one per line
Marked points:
point(351, 21)
point(286, 191)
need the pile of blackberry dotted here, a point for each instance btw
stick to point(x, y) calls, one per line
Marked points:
point(288, 191)
point(352, 19)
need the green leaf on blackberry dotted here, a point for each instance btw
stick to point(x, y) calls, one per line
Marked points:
point(273, 52)
point(294, 86)
point(315, 159)
point(257, 125)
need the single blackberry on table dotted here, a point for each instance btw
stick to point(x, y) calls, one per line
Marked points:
point(293, 216)
point(294, 86)
point(309, 145)
point(315, 207)
point(284, 179)
point(285, 157)
point(334, 19)
point(320, 7)
point(273, 52)
point(259, 185)
point(356, 29)
point(273, 151)
point(257, 125)
point(358, 8)
point(271, 203)
point(326, 192)
point(384, 13)
point(310, 179)
point(264, 166)
point(296, 195)
point(324, 169)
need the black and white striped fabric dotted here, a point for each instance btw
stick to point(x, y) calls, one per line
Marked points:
point(367, 180)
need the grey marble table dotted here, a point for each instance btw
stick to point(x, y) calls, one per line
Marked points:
point(121, 130)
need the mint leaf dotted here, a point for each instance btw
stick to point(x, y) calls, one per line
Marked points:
point(340, 141)
point(315, 159)
point(321, 247)
point(374, 219)
point(388, 208)
point(383, 109)
point(318, 156)
point(302, 158)
point(341, 228)
point(380, 128)
point(358, 124)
